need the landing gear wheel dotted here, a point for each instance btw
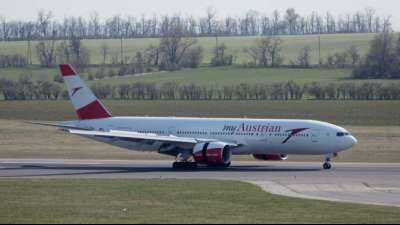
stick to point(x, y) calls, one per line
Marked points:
point(184, 165)
point(327, 166)
point(328, 160)
point(227, 165)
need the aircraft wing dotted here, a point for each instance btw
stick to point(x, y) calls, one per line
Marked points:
point(134, 136)
point(64, 127)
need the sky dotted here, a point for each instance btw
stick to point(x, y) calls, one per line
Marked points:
point(27, 9)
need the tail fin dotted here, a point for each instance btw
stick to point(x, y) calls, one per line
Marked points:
point(86, 105)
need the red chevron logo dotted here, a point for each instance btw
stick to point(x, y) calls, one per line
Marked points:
point(75, 90)
point(293, 133)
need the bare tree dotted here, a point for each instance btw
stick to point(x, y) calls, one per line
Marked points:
point(266, 52)
point(193, 57)
point(275, 52)
point(387, 25)
point(94, 25)
point(63, 53)
point(291, 17)
point(220, 58)
point(354, 55)
point(381, 60)
point(398, 46)
point(254, 54)
point(5, 29)
point(370, 13)
point(173, 46)
point(45, 51)
point(211, 15)
point(43, 22)
point(264, 46)
point(73, 52)
point(152, 54)
point(275, 23)
point(304, 58)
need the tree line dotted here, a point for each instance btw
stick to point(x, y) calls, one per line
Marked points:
point(175, 51)
point(26, 89)
point(289, 22)
point(278, 91)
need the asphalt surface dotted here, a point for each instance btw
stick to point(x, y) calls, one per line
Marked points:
point(363, 183)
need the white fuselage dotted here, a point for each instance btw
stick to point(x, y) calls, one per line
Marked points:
point(253, 136)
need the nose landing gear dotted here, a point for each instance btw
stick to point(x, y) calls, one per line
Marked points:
point(328, 162)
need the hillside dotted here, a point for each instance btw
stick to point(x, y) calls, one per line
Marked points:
point(330, 44)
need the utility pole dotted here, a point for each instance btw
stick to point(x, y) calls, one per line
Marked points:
point(122, 50)
point(319, 51)
point(216, 45)
point(29, 51)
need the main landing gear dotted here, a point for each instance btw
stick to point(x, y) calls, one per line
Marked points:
point(185, 165)
point(183, 162)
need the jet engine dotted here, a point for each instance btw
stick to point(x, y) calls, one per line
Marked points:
point(213, 154)
point(271, 157)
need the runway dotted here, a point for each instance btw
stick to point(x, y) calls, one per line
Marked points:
point(362, 183)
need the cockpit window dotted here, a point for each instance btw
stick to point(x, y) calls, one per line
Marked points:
point(342, 134)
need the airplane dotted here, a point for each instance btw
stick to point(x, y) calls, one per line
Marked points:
point(207, 142)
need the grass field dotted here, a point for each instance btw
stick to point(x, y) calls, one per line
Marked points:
point(330, 44)
point(22, 140)
point(36, 72)
point(225, 76)
point(355, 113)
point(215, 77)
point(234, 75)
point(142, 201)
point(375, 124)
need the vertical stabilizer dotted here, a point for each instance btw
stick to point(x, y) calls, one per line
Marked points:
point(86, 104)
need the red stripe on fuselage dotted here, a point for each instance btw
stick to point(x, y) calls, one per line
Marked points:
point(66, 70)
point(93, 111)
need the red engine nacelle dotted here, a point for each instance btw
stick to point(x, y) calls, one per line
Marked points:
point(271, 157)
point(212, 154)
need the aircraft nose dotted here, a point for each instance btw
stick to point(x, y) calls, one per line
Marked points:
point(353, 141)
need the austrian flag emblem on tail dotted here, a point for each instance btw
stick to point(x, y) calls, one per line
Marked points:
point(293, 133)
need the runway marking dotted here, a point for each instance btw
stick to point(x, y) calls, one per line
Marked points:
point(389, 189)
point(51, 163)
point(283, 190)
